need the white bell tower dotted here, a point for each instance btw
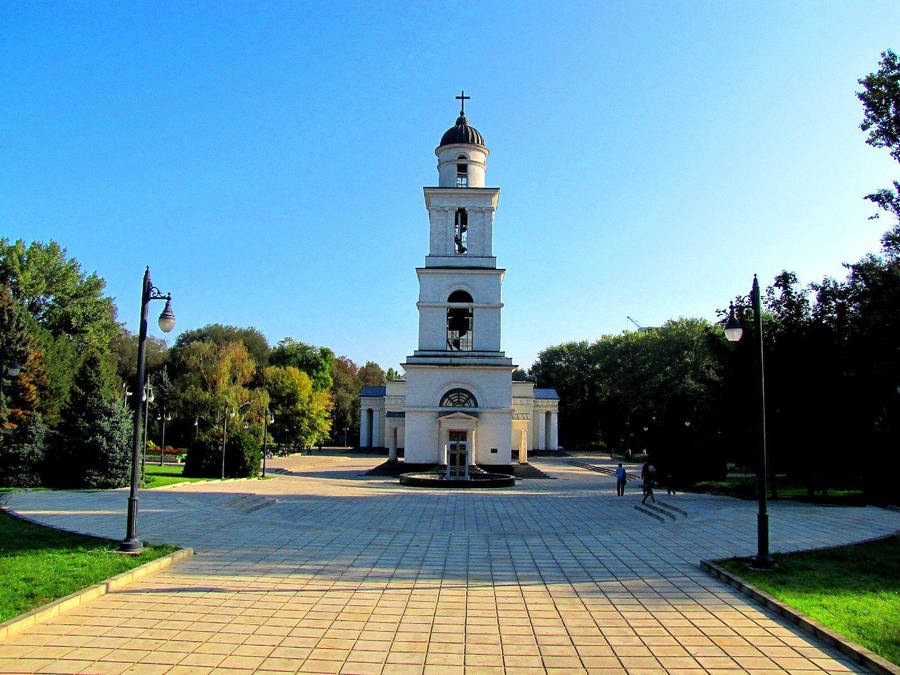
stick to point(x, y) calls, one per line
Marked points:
point(458, 380)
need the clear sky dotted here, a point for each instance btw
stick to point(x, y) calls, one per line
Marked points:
point(267, 159)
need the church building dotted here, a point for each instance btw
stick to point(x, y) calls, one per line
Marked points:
point(458, 405)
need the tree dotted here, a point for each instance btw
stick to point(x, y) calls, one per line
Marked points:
point(371, 375)
point(124, 346)
point(881, 107)
point(55, 291)
point(209, 378)
point(314, 361)
point(22, 453)
point(20, 394)
point(93, 443)
point(254, 342)
point(301, 413)
point(393, 375)
point(345, 390)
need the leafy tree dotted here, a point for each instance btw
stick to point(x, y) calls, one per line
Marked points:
point(520, 375)
point(55, 291)
point(209, 378)
point(393, 375)
point(345, 390)
point(301, 413)
point(124, 346)
point(254, 342)
point(881, 106)
point(371, 375)
point(314, 361)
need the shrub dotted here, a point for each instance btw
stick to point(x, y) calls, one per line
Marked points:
point(22, 453)
point(204, 456)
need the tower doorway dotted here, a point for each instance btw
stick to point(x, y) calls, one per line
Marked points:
point(457, 454)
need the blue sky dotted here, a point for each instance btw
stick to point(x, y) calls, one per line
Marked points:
point(267, 159)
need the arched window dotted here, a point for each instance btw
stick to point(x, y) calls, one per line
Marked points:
point(460, 231)
point(459, 323)
point(459, 398)
point(462, 172)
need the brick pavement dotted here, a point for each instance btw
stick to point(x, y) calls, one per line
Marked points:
point(323, 570)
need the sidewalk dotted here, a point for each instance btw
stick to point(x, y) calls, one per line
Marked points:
point(320, 570)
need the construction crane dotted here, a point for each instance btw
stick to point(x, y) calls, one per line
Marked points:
point(641, 328)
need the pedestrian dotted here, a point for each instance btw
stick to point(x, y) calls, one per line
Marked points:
point(670, 482)
point(648, 474)
point(621, 477)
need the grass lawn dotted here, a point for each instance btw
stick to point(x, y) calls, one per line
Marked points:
point(39, 564)
point(854, 590)
point(168, 474)
point(745, 487)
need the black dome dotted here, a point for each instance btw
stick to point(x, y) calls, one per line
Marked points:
point(462, 133)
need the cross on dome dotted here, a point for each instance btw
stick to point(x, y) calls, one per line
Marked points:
point(463, 98)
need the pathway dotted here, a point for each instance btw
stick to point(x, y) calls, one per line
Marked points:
point(321, 569)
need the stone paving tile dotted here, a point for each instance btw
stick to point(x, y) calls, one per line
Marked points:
point(339, 573)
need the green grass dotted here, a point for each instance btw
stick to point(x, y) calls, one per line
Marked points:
point(39, 564)
point(854, 590)
point(168, 474)
point(745, 488)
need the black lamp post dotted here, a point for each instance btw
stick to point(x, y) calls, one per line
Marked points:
point(147, 399)
point(268, 418)
point(733, 332)
point(165, 417)
point(166, 323)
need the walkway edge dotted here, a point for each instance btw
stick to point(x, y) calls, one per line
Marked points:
point(78, 598)
point(856, 652)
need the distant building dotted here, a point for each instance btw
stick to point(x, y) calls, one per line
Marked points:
point(458, 402)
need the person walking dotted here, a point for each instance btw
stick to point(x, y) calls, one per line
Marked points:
point(621, 478)
point(648, 475)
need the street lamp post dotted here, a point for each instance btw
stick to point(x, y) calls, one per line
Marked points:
point(166, 323)
point(165, 417)
point(733, 332)
point(147, 398)
point(268, 418)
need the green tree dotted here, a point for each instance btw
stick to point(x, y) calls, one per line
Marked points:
point(22, 453)
point(345, 390)
point(254, 342)
point(316, 362)
point(881, 107)
point(209, 378)
point(371, 375)
point(93, 442)
point(302, 414)
point(55, 291)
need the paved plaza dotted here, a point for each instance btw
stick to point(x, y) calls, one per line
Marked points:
point(323, 569)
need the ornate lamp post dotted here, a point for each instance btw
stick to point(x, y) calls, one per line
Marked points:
point(147, 398)
point(733, 332)
point(165, 416)
point(268, 418)
point(166, 323)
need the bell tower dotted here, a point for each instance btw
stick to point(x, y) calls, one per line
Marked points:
point(459, 313)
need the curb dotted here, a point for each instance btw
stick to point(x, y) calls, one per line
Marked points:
point(856, 652)
point(78, 598)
